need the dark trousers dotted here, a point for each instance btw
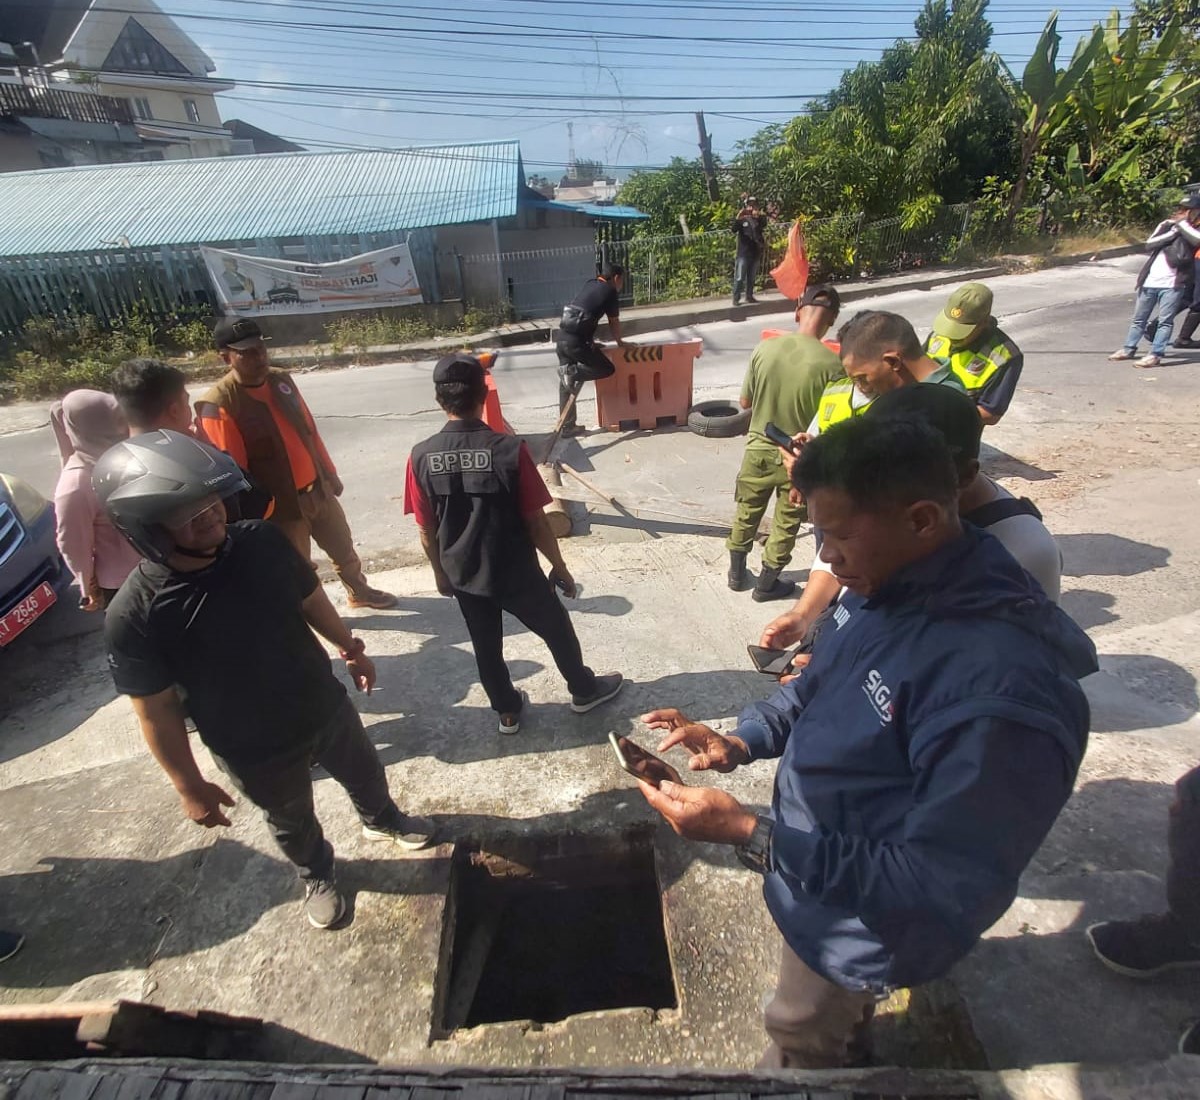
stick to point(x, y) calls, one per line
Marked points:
point(283, 790)
point(537, 606)
point(1183, 841)
point(744, 268)
point(590, 363)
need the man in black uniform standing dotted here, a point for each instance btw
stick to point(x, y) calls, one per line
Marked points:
point(749, 227)
point(579, 356)
point(478, 500)
point(228, 614)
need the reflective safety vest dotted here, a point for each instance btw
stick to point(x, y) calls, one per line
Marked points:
point(973, 367)
point(837, 404)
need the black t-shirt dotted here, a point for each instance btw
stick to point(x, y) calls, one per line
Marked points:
point(750, 232)
point(234, 637)
point(597, 299)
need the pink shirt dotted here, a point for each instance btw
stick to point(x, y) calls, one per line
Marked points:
point(92, 547)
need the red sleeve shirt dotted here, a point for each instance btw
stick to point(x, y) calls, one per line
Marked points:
point(532, 494)
point(416, 503)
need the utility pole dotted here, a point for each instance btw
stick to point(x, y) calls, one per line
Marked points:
point(571, 149)
point(710, 173)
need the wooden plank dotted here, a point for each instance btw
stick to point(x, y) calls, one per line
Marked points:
point(54, 1010)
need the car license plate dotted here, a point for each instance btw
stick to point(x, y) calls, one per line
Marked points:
point(30, 608)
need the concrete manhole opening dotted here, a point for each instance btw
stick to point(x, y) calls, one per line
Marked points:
point(545, 928)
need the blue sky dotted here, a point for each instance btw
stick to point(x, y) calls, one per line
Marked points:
point(627, 75)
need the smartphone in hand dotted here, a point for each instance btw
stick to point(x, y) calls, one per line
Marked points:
point(642, 764)
point(772, 662)
point(779, 437)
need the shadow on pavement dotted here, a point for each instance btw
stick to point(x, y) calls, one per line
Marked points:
point(1166, 686)
point(464, 735)
point(1044, 995)
point(997, 463)
point(35, 711)
point(1088, 607)
point(1104, 555)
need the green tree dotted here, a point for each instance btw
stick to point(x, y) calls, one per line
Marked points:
point(1181, 129)
point(1132, 87)
point(586, 170)
point(920, 127)
point(1042, 98)
point(667, 193)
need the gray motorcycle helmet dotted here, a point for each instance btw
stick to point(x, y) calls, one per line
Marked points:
point(143, 480)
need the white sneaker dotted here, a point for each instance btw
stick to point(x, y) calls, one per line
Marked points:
point(1120, 354)
point(1149, 361)
point(511, 723)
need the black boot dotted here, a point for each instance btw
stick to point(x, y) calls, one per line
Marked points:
point(1188, 329)
point(770, 587)
point(737, 570)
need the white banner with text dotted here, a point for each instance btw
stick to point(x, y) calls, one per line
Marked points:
point(257, 286)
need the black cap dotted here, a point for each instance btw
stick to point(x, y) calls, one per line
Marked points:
point(948, 410)
point(821, 295)
point(238, 333)
point(1189, 202)
point(458, 367)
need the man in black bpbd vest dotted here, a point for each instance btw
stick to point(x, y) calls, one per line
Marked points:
point(478, 499)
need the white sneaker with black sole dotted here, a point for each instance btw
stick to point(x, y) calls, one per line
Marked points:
point(323, 902)
point(510, 723)
point(606, 687)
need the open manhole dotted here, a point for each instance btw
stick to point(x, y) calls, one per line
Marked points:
point(546, 928)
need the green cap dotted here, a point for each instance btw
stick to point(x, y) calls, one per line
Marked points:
point(970, 305)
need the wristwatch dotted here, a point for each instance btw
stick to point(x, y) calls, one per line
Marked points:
point(357, 648)
point(756, 852)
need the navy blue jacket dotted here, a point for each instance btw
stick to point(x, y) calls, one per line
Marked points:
point(926, 752)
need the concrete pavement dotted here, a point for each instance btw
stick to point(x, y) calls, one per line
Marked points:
point(121, 894)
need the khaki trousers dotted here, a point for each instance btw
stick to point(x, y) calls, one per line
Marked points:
point(323, 521)
point(812, 1023)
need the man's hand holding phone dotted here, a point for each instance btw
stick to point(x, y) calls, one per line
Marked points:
point(710, 751)
point(701, 813)
point(644, 766)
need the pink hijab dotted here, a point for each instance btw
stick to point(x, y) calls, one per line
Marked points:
point(86, 423)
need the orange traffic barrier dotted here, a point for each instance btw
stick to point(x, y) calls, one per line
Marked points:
point(771, 333)
point(652, 386)
point(493, 416)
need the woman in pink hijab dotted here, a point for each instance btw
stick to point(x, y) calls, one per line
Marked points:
point(86, 423)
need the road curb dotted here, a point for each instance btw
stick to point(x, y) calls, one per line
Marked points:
point(639, 320)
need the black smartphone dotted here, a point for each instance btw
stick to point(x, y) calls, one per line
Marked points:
point(642, 764)
point(773, 662)
point(779, 437)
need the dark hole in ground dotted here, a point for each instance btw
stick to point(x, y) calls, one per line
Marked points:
point(559, 927)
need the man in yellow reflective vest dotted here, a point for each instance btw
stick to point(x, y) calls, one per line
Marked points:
point(880, 351)
point(967, 339)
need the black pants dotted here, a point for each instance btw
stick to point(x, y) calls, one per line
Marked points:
point(537, 606)
point(590, 364)
point(1183, 841)
point(283, 790)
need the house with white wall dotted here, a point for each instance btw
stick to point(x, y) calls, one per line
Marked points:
point(131, 52)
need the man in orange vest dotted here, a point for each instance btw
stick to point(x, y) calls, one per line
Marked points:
point(256, 415)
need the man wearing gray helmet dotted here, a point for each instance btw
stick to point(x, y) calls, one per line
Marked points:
point(227, 612)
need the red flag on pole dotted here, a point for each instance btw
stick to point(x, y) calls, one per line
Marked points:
point(791, 276)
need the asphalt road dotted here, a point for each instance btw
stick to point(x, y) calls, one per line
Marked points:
point(1065, 319)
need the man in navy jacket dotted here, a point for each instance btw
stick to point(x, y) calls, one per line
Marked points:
point(924, 754)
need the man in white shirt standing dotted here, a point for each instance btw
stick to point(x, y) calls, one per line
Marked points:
point(1165, 281)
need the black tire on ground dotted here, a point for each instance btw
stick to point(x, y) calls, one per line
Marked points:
point(718, 419)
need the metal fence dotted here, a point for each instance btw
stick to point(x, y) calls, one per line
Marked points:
point(669, 269)
point(160, 283)
point(167, 281)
